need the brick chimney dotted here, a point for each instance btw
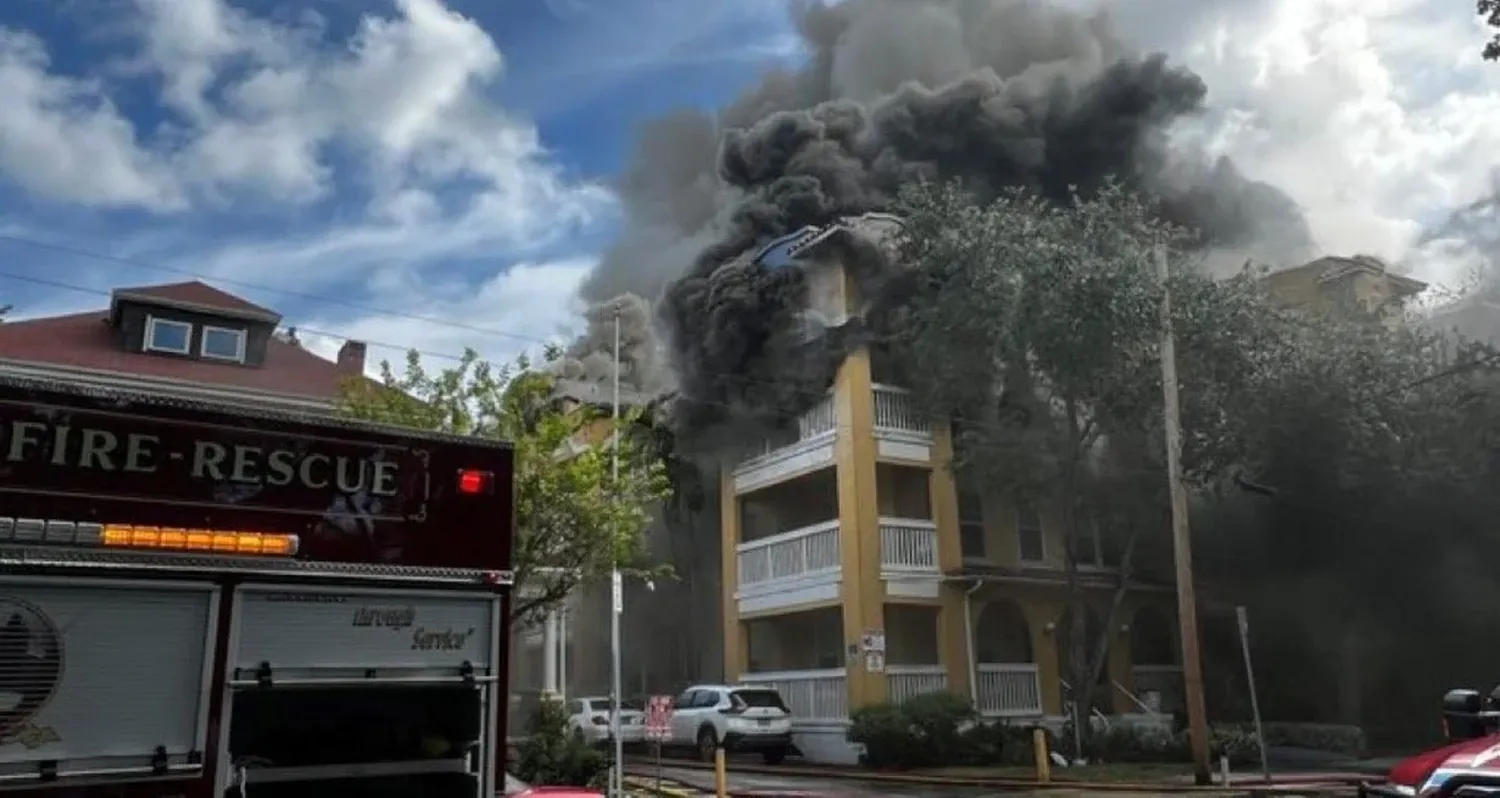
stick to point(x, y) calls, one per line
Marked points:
point(351, 362)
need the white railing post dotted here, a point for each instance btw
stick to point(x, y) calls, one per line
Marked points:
point(789, 555)
point(908, 545)
point(1009, 689)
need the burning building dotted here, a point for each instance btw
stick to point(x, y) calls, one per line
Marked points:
point(850, 565)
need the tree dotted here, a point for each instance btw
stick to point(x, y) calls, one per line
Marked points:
point(1036, 327)
point(573, 522)
point(1490, 10)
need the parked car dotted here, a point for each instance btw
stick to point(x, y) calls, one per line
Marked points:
point(737, 717)
point(589, 719)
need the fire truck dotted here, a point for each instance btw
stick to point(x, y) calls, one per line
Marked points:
point(234, 602)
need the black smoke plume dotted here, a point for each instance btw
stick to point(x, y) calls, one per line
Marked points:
point(996, 93)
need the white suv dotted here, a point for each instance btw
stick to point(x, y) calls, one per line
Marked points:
point(738, 717)
point(589, 720)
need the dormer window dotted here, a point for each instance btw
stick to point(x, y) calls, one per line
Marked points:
point(167, 335)
point(223, 343)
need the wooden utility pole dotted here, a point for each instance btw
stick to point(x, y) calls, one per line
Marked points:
point(1182, 544)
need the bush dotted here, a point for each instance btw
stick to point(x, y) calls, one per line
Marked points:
point(1333, 737)
point(551, 755)
point(999, 743)
point(936, 730)
point(923, 731)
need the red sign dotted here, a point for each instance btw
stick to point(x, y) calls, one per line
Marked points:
point(659, 717)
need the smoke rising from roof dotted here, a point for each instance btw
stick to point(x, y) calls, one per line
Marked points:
point(997, 93)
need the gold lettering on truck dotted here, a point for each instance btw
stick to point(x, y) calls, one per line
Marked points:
point(396, 618)
point(103, 450)
point(439, 639)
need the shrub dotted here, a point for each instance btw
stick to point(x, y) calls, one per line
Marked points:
point(1333, 737)
point(998, 743)
point(923, 731)
point(551, 755)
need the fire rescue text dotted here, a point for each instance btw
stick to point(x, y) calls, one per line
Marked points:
point(139, 453)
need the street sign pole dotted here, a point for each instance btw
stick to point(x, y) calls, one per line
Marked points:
point(658, 728)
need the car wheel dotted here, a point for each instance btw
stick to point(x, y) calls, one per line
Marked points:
point(774, 756)
point(707, 744)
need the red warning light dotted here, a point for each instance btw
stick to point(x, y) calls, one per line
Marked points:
point(473, 482)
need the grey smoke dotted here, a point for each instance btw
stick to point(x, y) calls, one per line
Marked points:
point(998, 93)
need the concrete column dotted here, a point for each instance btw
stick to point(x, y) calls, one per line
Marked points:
point(562, 652)
point(549, 653)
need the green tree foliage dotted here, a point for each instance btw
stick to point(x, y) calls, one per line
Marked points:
point(1036, 327)
point(1490, 10)
point(573, 521)
point(553, 755)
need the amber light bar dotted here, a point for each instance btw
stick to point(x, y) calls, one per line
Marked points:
point(124, 536)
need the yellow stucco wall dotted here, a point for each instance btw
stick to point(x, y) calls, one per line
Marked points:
point(861, 589)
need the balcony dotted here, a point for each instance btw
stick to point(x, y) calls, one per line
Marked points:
point(908, 681)
point(909, 558)
point(789, 568)
point(809, 450)
point(820, 696)
point(1009, 690)
point(901, 433)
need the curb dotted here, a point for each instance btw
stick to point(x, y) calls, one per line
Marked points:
point(1300, 787)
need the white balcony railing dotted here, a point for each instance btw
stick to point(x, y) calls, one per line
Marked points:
point(817, 696)
point(1009, 689)
point(816, 424)
point(908, 545)
point(896, 413)
point(908, 681)
point(799, 553)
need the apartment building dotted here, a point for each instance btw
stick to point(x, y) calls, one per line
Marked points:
point(856, 570)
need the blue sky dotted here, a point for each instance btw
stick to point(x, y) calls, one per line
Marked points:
point(451, 160)
point(445, 159)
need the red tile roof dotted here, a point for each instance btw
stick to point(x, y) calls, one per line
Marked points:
point(199, 294)
point(86, 341)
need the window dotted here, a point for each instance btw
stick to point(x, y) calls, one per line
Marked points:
point(686, 699)
point(970, 525)
point(1088, 546)
point(222, 343)
point(165, 335)
point(1033, 548)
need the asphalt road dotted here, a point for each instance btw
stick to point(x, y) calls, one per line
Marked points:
point(770, 785)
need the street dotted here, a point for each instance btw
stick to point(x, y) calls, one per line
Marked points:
point(746, 785)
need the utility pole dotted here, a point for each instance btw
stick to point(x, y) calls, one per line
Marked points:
point(1182, 544)
point(616, 592)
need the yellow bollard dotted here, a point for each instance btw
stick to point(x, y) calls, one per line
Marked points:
point(1043, 757)
point(721, 778)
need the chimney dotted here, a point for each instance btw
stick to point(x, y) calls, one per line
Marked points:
point(351, 362)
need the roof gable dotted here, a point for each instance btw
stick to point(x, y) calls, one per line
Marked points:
point(193, 295)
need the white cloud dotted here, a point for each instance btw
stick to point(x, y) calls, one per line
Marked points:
point(509, 314)
point(1377, 116)
point(259, 108)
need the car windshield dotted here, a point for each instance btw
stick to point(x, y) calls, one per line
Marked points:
point(762, 699)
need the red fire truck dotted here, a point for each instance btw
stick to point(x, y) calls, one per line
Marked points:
point(203, 601)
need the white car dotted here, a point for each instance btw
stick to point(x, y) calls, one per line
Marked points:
point(589, 719)
point(737, 717)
